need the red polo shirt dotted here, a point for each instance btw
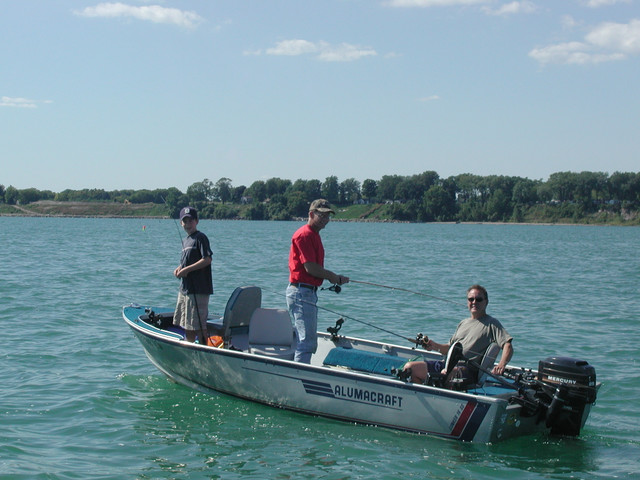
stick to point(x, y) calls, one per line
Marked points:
point(306, 246)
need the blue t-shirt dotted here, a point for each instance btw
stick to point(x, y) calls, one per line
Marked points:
point(194, 248)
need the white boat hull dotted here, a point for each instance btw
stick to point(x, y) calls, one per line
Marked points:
point(352, 396)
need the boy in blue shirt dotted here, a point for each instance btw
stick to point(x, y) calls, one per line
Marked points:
point(192, 308)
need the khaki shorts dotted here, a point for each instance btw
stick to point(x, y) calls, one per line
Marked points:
point(191, 311)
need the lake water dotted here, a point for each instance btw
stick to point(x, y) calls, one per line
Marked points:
point(80, 400)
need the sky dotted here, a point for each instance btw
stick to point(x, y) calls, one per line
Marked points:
point(165, 93)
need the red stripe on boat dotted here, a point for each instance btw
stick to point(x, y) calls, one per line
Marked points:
point(464, 418)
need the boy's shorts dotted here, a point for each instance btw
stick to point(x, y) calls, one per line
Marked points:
point(191, 311)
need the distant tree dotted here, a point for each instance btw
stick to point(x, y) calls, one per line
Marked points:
point(369, 189)
point(426, 180)
point(222, 211)
point(499, 207)
point(562, 185)
point(277, 208)
point(310, 189)
point(11, 195)
point(438, 205)
point(407, 189)
point(31, 195)
point(313, 190)
point(299, 185)
point(257, 190)
point(175, 200)
point(297, 204)
point(276, 186)
point(387, 187)
point(222, 190)
point(237, 193)
point(624, 186)
point(256, 211)
point(200, 194)
point(142, 196)
point(469, 187)
point(200, 191)
point(525, 192)
point(349, 191)
point(331, 189)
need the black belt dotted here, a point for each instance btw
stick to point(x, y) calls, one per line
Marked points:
point(304, 285)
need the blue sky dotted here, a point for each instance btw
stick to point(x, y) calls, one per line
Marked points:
point(154, 94)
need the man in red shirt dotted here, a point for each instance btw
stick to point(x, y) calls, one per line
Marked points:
point(306, 274)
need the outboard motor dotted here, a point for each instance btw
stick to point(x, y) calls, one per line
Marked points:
point(570, 385)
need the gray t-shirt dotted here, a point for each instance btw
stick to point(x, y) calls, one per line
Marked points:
point(476, 335)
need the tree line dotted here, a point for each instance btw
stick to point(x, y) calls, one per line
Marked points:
point(423, 197)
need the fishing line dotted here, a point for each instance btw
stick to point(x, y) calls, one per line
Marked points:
point(406, 290)
point(343, 316)
point(174, 220)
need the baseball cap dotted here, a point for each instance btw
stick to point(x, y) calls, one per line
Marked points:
point(321, 205)
point(188, 212)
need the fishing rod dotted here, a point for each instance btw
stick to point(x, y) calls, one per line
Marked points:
point(418, 340)
point(403, 290)
point(174, 220)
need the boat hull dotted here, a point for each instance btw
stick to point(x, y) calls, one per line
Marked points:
point(334, 392)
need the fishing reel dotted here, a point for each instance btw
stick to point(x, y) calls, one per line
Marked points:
point(334, 330)
point(421, 340)
point(333, 288)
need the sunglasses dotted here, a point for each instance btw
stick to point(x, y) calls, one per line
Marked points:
point(475, 299)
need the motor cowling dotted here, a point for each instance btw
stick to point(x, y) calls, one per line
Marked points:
point(570, 385)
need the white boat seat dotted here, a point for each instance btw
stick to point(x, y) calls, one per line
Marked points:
point(271, 333)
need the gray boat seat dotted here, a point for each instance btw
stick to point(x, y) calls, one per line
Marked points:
point(271, 333)
point(487, 363)
point(237, 314)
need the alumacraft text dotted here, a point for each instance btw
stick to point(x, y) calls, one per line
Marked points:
point(368, 396)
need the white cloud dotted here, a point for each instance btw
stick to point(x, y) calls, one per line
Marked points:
point(512, 8)
point(433, 3)
point(345, 53)
point(429, 99)
point(151, 13)
point(617, 36)
point(18, 102)
point(569, 23)
point(607, 42)
point(293, 48)
point(322, 50)
point(604, 3)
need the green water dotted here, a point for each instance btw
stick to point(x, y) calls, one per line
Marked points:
point(79, 399)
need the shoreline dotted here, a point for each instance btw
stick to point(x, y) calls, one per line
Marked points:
point(343, 220)
point(141, 211)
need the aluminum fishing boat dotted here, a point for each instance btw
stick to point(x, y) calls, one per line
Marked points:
point(362, 381)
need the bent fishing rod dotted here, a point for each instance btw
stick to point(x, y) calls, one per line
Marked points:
point(418, 340)
point(337, 289)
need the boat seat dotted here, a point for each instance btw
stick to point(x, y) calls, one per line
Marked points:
point(237, 314)
point(271, 333)
point(468, 376)
point(363, 361)
point(487, 362)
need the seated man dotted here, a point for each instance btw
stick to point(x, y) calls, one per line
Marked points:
point(475, 334)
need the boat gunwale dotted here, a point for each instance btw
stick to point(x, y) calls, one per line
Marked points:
point(166, 337)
